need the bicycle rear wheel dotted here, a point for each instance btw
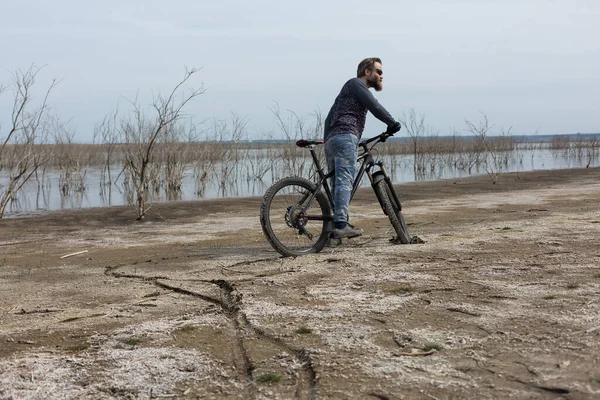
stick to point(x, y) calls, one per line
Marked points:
point(291, 225)
point(392, 210)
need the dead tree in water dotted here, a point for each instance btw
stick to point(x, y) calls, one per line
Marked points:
point(415, 127)
point(495, 148)
point(141, 134)
point(106, 134)
point(19, 157)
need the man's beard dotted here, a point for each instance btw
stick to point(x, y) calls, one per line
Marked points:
point(376, 84)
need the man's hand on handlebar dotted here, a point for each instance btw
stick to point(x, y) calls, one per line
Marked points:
point(391, 129)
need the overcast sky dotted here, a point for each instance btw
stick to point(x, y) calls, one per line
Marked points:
point(530, 64)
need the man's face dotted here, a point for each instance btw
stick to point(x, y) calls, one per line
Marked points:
point(375, 77)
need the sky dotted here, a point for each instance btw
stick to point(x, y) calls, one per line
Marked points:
point(533, 65)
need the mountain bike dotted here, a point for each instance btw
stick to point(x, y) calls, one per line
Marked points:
point(296, 214)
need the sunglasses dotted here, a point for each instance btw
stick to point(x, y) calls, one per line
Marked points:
point(379, 72)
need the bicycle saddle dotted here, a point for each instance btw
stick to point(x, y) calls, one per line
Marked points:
point(306, 143)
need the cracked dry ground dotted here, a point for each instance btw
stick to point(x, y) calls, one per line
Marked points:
point(502, 298)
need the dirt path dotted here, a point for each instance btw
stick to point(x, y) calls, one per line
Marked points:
point(502, 300)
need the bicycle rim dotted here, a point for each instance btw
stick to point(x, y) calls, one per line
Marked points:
point(283, 217)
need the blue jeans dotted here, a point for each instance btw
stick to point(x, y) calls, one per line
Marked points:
point(341, 152)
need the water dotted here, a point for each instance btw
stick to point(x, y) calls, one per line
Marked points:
point(33, 199)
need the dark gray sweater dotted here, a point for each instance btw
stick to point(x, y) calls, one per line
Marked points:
point(349, 111)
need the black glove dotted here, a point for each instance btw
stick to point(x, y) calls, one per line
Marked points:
point(391, 129)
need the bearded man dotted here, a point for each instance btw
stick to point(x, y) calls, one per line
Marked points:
point(344, 127)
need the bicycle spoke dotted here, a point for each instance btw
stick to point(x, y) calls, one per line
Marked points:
point(290, 231)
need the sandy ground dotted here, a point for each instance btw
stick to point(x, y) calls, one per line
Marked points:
point(501, 301)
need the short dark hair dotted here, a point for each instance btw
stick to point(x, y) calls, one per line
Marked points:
point(366, 64)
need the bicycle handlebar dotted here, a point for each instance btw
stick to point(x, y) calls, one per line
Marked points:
point(382, 137)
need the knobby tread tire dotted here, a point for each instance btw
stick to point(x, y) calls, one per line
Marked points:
point(271, 235)
point(382, 190)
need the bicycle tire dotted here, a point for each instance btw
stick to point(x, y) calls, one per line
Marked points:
point(288, 234)
point(392, 210)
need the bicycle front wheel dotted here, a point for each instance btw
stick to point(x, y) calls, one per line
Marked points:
point(392, 210)
point(295, 218)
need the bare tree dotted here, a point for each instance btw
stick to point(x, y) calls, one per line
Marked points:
point(260, 161)
point(495, 163)
point(227, 155)
point(415, 127)
point(69, 159)
point(106, 133)
point(18, 154)
point(592, 149)
point(174, 149)
point(141, 135)
point(294, 127)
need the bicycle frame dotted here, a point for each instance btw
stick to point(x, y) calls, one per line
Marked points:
point(367, 163)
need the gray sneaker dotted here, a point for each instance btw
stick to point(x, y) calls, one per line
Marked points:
point(346, 232)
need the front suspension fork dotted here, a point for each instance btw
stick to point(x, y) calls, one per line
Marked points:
point(387, 179)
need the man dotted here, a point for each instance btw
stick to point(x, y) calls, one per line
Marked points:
point(344, 126)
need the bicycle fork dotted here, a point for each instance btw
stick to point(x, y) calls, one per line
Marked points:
point(382, 174)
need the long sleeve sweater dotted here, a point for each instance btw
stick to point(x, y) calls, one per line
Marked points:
point(349, 111)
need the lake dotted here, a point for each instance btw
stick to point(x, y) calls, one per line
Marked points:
point(33, 199)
